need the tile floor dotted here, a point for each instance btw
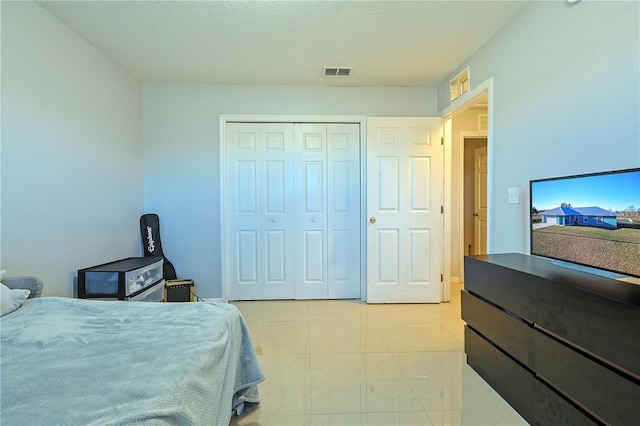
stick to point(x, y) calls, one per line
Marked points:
point(348, 363)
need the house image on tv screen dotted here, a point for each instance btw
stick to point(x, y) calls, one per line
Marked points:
point(581, 216)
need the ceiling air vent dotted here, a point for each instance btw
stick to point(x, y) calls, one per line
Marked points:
point(336, 71)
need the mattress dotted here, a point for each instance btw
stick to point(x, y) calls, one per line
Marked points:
point(81, 362)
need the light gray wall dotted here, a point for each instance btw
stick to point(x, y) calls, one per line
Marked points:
point(181, 154)
point(71, 170)
point(566, 100)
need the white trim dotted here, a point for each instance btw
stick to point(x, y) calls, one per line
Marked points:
point(222, 169)
point(363, 209)
point(472, 134)
point(250, 118)
point(468, 98)
point(446, 191)
point(214, 300)
point(462, 102)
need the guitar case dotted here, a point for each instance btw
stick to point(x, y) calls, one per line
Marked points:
point(152, 245)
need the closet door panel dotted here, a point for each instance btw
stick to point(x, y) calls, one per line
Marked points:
point(342, 257)
point(343, 204)
point(247, 257)
point(311, 211)
point(277, 216)
point(275, 260)
point(314, 250)
point(313, 188)
point(278, 228)
point(260, 213)
point(243, 198)
point(275, 187)
point(275, 236)
point(246, 187)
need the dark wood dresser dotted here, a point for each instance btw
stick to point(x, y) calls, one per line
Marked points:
point(561, 346)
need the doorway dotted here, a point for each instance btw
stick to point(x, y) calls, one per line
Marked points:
point(475, 195)
point(470, 153)
point(467, 118)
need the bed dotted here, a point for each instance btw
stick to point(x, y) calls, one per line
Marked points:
point(85, 362)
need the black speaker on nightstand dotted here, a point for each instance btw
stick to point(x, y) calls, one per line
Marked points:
point(178, 291)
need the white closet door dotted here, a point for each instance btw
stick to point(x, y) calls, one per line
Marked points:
point(327, 161)
point(343, 205)
point(260, 211)
point(311, 211)
point(293, 215)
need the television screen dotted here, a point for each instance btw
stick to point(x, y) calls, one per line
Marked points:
point(591, 220)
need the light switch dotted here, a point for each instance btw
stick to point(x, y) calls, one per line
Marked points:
point(514, 196)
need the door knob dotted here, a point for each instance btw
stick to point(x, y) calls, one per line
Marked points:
point(475, 213)
point(313, 219)
point(274, 220)
point(372, 220)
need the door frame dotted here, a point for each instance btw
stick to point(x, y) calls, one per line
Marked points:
point(222, 165)
point(458, 105)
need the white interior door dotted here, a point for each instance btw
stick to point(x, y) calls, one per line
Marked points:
point(404, 200)
point(311, 211)
point(260, 213)
point(343, 203)
point(480, 201)
point(327, 211)
point(293, 211)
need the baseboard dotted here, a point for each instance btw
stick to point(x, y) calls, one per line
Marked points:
point(213, 299)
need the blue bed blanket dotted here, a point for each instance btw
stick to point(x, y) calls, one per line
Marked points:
point(80, 362)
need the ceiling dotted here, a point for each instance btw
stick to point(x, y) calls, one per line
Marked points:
point(387, 43)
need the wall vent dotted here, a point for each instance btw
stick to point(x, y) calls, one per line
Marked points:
point(336, 71)
point(483, 122)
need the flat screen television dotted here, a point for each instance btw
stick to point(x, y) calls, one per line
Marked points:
point(591, 222)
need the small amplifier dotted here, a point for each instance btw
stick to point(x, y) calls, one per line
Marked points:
point(178, 291)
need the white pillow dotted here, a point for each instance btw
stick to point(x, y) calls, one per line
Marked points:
point(3, 273)
point(10, 300)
